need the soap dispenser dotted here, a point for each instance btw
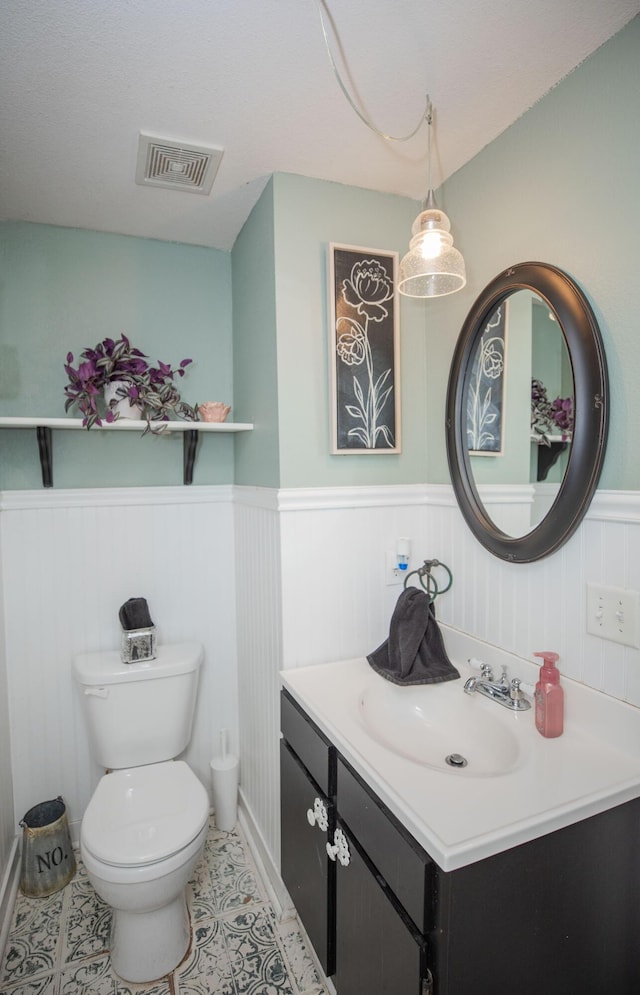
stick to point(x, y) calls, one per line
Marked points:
point(549, 698)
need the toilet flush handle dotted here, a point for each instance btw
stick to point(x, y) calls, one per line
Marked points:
point(97, 692)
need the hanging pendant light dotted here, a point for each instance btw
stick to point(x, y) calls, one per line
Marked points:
point(432, 267)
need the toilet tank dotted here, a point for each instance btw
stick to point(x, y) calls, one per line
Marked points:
point(139, 713)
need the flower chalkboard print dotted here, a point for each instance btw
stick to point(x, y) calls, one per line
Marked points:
point(364, 351)
point(485, 387)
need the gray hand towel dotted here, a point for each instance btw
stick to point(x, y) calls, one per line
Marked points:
point(134, 614)
point(414, 653)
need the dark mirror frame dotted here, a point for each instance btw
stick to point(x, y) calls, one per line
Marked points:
point(591, 397)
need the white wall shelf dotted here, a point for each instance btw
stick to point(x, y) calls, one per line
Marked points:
point(190, 430)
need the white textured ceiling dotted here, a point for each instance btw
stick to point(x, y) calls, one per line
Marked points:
point(79, 79)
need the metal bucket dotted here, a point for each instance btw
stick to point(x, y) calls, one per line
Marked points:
point(48, 861)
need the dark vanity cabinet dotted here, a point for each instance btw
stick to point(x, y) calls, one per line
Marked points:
point(559, 915)
point(361, 931)
point(307, 787)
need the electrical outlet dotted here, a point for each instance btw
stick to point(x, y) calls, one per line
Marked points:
point(393, 574)
point(613, 613)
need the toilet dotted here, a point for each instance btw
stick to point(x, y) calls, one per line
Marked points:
point(145, 826)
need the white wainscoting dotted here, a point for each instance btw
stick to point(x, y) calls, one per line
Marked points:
point(70, 559)
point(259, 618)
point(335, 603)
point(307, 581)
point(329, 546)
point(8, 820)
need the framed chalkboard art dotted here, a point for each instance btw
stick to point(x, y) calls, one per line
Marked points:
point(364, 351)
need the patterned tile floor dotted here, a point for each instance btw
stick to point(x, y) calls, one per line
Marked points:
point(60, 945)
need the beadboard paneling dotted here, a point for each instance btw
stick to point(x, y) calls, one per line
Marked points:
point(259, 619)
point(8, 821)
point(70, 559)
point(305, 583)
point(336, 605)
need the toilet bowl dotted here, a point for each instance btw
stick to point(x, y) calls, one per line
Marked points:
point(141, 837)
point(145, 826)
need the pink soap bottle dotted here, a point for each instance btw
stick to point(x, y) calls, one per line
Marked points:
point(549, 698)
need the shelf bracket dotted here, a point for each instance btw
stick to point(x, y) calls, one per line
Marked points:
point(43, 433)
point(189, 445)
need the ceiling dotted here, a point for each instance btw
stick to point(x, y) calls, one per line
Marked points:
point(80, 79)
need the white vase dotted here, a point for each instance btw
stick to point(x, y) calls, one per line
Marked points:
point(123, 405)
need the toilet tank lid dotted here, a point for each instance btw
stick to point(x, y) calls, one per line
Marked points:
point(91, 669)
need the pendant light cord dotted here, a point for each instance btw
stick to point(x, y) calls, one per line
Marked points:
point(429, 119)
point(426, 116)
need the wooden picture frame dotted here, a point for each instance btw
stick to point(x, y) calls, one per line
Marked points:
point(364, 351)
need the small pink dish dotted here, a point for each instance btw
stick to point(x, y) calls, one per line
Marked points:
point(214, 411)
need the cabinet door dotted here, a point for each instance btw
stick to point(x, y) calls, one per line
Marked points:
point(396, 856)
point(305, 867)
point(377, 951)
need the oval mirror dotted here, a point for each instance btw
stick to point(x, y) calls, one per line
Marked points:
point(527, 412)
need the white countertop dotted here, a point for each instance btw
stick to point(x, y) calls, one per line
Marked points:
point(459, 818)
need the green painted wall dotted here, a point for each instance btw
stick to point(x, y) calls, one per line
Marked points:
point(255, 370)
point(309, 214)
point(561, 186)
point(280, 319)
point(63, 289)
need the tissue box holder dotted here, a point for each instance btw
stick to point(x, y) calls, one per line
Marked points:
point(138, 645)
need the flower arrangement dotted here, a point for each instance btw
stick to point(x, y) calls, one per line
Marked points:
point(151, 388)
point(549, 417)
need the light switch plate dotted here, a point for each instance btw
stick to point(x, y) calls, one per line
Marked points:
point(613, 613)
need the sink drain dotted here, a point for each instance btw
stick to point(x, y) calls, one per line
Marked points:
point(456, 760)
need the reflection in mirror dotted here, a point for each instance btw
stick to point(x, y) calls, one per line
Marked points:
point(516, 381)
point(519, 403)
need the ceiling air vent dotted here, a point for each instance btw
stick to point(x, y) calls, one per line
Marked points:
point(166, 163)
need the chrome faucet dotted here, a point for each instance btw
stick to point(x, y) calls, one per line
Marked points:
point(505, 692)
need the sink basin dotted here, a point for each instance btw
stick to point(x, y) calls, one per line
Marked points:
point(438, 726)
point(516, 786)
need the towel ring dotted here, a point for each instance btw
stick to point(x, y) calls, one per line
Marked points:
point(430, 585)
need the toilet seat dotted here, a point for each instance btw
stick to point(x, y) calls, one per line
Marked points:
point(143, 815)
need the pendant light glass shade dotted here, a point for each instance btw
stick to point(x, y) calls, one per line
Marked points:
point(432, 267)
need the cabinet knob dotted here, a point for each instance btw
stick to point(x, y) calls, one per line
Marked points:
point(318, 816)
point(340, 849)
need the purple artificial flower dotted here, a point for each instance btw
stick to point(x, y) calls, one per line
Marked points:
point(150, 387)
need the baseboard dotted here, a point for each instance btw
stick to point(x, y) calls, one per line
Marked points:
point(265, 863)
point(8, 892)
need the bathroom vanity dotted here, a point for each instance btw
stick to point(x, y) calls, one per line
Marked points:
point(413, 880)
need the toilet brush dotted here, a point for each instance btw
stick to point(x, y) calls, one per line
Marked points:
point(224, 783)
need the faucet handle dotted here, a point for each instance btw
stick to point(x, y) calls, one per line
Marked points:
point(486, 670)
point(516, 694)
